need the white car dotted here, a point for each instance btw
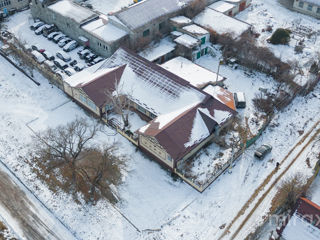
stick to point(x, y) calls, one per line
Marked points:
point(38, 56)
point(70, 46)
point(63, 56)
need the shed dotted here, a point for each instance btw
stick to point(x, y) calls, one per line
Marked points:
point(224, 7)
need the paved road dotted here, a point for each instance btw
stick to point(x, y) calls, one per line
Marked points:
point(25, 214)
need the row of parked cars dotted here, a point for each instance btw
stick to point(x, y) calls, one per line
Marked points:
point(61, 60)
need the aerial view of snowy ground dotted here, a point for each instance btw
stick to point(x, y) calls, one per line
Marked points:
point(153, 204)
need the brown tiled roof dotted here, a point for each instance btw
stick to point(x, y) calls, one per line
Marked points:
point(175, 134)
point(98, 89)
point(309, 210)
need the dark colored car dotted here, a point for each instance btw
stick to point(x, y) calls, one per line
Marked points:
point(262, 151)
point(73, 63)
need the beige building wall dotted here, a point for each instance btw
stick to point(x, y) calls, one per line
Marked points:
point(153, 147)
point(13, 4)
point(307, 8)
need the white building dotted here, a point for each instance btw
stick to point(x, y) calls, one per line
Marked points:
point(310, 7)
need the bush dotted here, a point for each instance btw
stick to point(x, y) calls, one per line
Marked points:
point(280, 36)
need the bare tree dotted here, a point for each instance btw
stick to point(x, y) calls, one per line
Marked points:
point(120, 101)
point(195, 7)
point(88, 168)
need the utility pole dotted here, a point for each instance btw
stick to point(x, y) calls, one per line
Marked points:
point(220, 63)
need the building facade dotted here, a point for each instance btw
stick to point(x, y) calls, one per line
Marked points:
point(309, 7)
point(8, 5)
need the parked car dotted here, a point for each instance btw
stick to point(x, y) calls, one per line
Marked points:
point(36, 25)
point(79, 67)
point(60, 64)
point(64, 41)
point(63, 56)
point(80, 49)
point(48, 55)
point(57, 38)
point(37, 47)
point(262, 151)
point(39, 30)
point(49, 29)
point(70, 46)
point(52, 35)
point(50, 64)
point(89, 57)
point(84, 53)
point(239, 99)
point(97, 60)
point(73, 63)
point(69, 71)
point(38, 57)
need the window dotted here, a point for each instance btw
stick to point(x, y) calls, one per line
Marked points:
point(91, 104)
point(301, 4)
point(169, 158)
point(203, 40)
point(161, 25)
point(141, 109)
point(146, 33)
point(108, 107)
point(318, 10)
point(310, 7)
point(5, 3)
point(83, 99)
point(152, 115)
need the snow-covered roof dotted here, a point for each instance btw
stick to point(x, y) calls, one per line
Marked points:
point(69, 9)
point(181, 20)
point(104, 30)
point(222, 6)
point(195, 30)
point(220, 22)
point(233, 1)
point(303, 224)
point(165, 93)
point(187, 41)
point(86, 75)
point(193, 73)
point(158, 50)
point(297, 229)
point(142, 13)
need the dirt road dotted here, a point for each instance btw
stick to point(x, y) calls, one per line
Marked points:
point(25, 214)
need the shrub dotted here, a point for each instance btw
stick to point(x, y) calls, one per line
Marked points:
point(280, 36)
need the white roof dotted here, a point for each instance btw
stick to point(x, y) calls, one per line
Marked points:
point(87, 75)
point(298, 229)
point(151, 88)
point(220, 22)
point(187, 40)
point(104, 30)
point(68, 9)
point(144, 12)
point(181, 20)
point(196, 30)
point(193, 73)
point(158, 50)
point(222, 6)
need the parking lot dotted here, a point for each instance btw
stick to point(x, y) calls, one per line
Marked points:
point(46, 51)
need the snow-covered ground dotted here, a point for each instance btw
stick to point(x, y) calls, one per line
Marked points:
point(271, 13)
